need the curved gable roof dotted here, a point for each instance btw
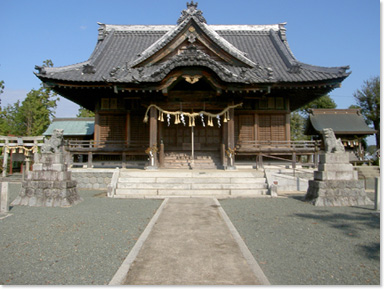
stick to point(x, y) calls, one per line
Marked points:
point(123, 53)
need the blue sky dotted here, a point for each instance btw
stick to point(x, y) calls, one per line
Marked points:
point(324, 33)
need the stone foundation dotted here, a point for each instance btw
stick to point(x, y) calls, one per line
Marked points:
point(92, 178)
point(337, 193)
point(336, 183)
point(49, 184)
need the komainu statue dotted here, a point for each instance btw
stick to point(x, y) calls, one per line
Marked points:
point(332, 144)
point(54, 144)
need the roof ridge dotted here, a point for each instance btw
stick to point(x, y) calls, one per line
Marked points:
point(167, 27)
point(167, 38)
point(139, 27)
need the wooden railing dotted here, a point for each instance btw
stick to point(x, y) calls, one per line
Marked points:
point(277, 150)
point(278, 147)
point(84, 152)
point(260, 149)
point(104, 146)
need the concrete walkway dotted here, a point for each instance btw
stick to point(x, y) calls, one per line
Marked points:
point(190, 241)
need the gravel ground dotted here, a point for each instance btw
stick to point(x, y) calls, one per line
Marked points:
point(296, 243)
point(82, 244)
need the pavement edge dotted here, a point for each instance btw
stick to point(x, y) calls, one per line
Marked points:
point(244, 249)
point(121, 274)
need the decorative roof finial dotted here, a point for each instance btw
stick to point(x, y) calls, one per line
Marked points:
point(192, 6)
point(190, 12)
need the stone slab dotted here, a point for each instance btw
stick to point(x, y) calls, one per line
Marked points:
point(335, 167)
point(334, 158)
point(335, 175)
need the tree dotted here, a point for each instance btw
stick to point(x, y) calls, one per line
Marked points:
point(38, 110)
point(368, 99)
point(11, 120)
point(299, 118)
point(1, 88)
point(84, 113)
point(33, 116)
point(297, 127)
point(324, 102)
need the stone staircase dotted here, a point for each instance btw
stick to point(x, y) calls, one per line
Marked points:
point(168, 182)
point(181, 160)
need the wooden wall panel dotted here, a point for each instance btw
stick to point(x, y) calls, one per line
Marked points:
point(272, 127)
point(245, 128)
point(278, 127)
point(139, 130)
point(112, 127)
point(264, 128)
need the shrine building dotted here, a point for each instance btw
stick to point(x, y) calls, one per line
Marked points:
point(190, 91)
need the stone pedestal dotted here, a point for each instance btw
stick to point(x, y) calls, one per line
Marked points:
point(336, 183)
point(49, 184)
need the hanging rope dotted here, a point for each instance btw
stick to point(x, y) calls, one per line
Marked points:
point(20, 149)
point(180, 115)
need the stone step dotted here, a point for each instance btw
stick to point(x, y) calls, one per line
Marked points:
point(142, 193)
point(191, 173)
point(219, 183)
point(228, 186)
point(204, 180)
point(187, 186)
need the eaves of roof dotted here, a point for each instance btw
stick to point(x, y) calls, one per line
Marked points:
point(348, 124)
point(72, 127)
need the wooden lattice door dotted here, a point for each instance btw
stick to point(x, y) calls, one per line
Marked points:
point(272, 128)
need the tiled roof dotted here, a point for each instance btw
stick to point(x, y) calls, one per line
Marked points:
point(72, 126)
point(344, 122)
point(262, 49)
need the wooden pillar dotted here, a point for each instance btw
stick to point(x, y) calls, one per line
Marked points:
point(89, 164)
point(153, 130)
point(223, 155)
point(287, 126)
point(128, 128)
point(259, 161)
point(124, 160)
point(223, 144)
point(256, 126)
point(97, 127)
point(288, 118)
point(161, 154)
point(230, 130)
